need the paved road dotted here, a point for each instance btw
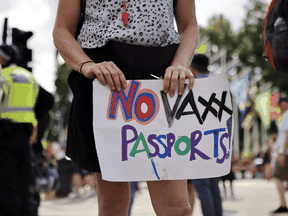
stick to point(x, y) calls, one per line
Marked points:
point(253, 197)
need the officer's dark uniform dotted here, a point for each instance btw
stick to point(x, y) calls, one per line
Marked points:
point(44, 103)
point(16, 120)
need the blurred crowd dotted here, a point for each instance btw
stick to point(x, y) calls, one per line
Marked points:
point(74, 181)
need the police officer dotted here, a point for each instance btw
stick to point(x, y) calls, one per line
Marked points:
point(18, 95)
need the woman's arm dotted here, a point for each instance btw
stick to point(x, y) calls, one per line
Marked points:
point(188, 30)
point(63, 33)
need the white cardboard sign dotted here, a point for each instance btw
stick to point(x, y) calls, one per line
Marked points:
point(142, 134)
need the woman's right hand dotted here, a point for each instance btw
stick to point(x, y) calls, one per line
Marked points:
point(106, 73)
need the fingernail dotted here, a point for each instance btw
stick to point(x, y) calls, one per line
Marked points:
point(125, 86)
point(118, 89)
point(180, 93)
point(113, 88)
point(171, 95)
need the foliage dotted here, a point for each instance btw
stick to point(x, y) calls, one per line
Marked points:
point(221, 34)
point(251, 47)
point(247, 43)
point(62, 105)
point(62, 88)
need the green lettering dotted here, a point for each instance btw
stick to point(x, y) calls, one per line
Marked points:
point(134, 150)
point(186, 140)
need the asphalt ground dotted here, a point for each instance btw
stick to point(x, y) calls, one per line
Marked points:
point(253, 197)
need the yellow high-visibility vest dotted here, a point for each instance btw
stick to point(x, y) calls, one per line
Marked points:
point(44, 143)
point(20, 95)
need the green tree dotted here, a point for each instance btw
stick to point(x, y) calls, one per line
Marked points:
point(250, 46)
point(247, 43)
point(220, 34)
point(62, 100)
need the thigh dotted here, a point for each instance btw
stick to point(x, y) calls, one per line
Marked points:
point(106, 188)
point(169, 197)
point(190, 187)
point(113, 197)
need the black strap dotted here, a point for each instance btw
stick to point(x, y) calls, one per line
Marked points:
point(81, 18)
point(175, 8)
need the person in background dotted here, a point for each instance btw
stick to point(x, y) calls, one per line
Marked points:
point(81, 177)
point(134, 187)
point(64, 168)
point(18, 128)
point(207, 189)
point(44, 103)
point(268, 169)
point(272, 133)
point(113, 51)
point(230, 176)
point(259, 164)
point(281, 145)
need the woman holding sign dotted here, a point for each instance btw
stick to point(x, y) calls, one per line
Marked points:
point(124, 40)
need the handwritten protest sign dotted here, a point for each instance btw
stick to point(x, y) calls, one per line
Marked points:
point(142, 134)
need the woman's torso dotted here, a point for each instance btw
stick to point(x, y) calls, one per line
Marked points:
point(151, 23)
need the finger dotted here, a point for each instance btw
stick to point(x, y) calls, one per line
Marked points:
point(123, 80)
point(181, 82)
point(100, 76)
point(174, 82)
point(191, 81)
point(167, 79)
point(115, 77)
point(121, 76)
point(108, 77)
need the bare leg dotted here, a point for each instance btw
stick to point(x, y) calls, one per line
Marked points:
point(77, 182)
point(191, 196)
point(90, 180)
point(170, 197)
point(281, 191)
point(113, 197)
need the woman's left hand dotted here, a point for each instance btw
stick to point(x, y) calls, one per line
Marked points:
point(171, 77)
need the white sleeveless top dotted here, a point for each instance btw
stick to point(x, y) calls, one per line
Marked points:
point(151, 23)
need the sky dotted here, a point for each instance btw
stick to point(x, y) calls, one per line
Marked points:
point(38, 16)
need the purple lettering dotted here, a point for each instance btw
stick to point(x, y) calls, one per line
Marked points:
point(125, 142)
point(220, 161)
point(170, 142)
point(150, 140)
point(194, 143)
